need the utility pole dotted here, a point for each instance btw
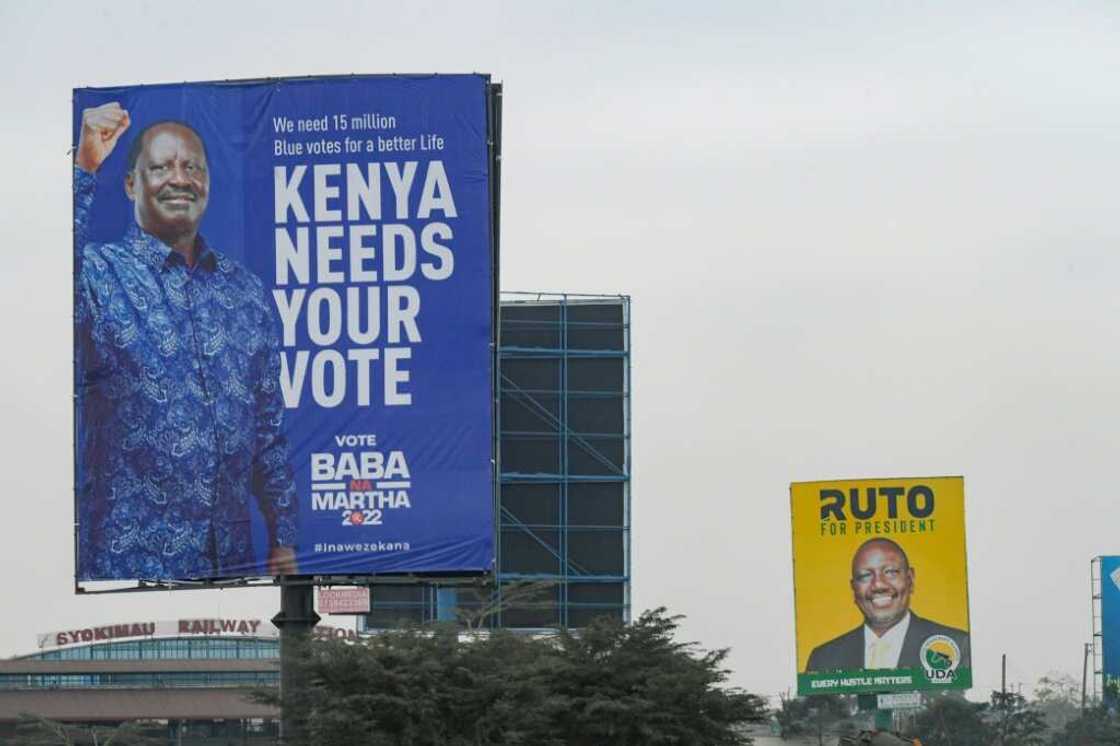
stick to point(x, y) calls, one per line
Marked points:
point(1003, 679)
point(1085, 673)
point(1003, 699)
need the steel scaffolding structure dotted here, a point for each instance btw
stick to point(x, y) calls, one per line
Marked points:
point(562, 501)
point(1097, 670)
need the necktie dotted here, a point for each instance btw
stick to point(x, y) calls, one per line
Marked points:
point(878, 654)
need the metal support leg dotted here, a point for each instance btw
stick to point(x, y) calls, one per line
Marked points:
point(295, 621)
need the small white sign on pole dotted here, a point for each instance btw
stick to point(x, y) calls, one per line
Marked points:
point(344, 600)
point(900, 701)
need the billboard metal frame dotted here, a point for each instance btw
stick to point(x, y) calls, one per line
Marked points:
point(544, 593)
point(494, 146)
point(1096, 616)
point(569, 572)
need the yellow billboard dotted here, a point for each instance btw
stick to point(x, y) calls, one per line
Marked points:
point(880, 585)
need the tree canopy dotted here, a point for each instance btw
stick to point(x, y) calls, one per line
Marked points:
point(610, 683)
point(1012, 720)
point(815, 716)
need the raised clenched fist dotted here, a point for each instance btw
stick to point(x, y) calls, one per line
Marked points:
point(102, 126)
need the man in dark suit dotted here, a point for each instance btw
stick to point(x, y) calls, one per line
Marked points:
point(891, 636)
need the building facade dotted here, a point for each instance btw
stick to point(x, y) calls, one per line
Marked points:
point(193, 687)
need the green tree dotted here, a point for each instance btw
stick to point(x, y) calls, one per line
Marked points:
point(1094, 727)
point(420, 687)
point(951, 720)
point(1058, 697)
point(1016, 721)
point(635, 684)
point(817, 716)
point(610, 683)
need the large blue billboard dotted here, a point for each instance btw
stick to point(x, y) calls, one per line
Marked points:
point(283, 336)
point(1110, 629)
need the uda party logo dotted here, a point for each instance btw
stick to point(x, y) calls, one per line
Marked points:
point(940, 656)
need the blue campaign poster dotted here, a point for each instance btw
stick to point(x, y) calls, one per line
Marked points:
point(1110, 629)
point(283, 303)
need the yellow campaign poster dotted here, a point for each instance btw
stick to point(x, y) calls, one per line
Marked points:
point(880, 585)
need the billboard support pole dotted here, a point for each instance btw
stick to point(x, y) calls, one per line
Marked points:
point(295, 621)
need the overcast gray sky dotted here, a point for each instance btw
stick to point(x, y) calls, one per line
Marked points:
point(862, 239)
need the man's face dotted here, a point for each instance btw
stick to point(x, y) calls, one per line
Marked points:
point(170, 184)
point(882, 582)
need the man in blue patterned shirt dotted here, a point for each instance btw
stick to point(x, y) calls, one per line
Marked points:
point(178, 413)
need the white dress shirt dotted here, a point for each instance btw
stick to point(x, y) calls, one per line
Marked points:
point(883, 652)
